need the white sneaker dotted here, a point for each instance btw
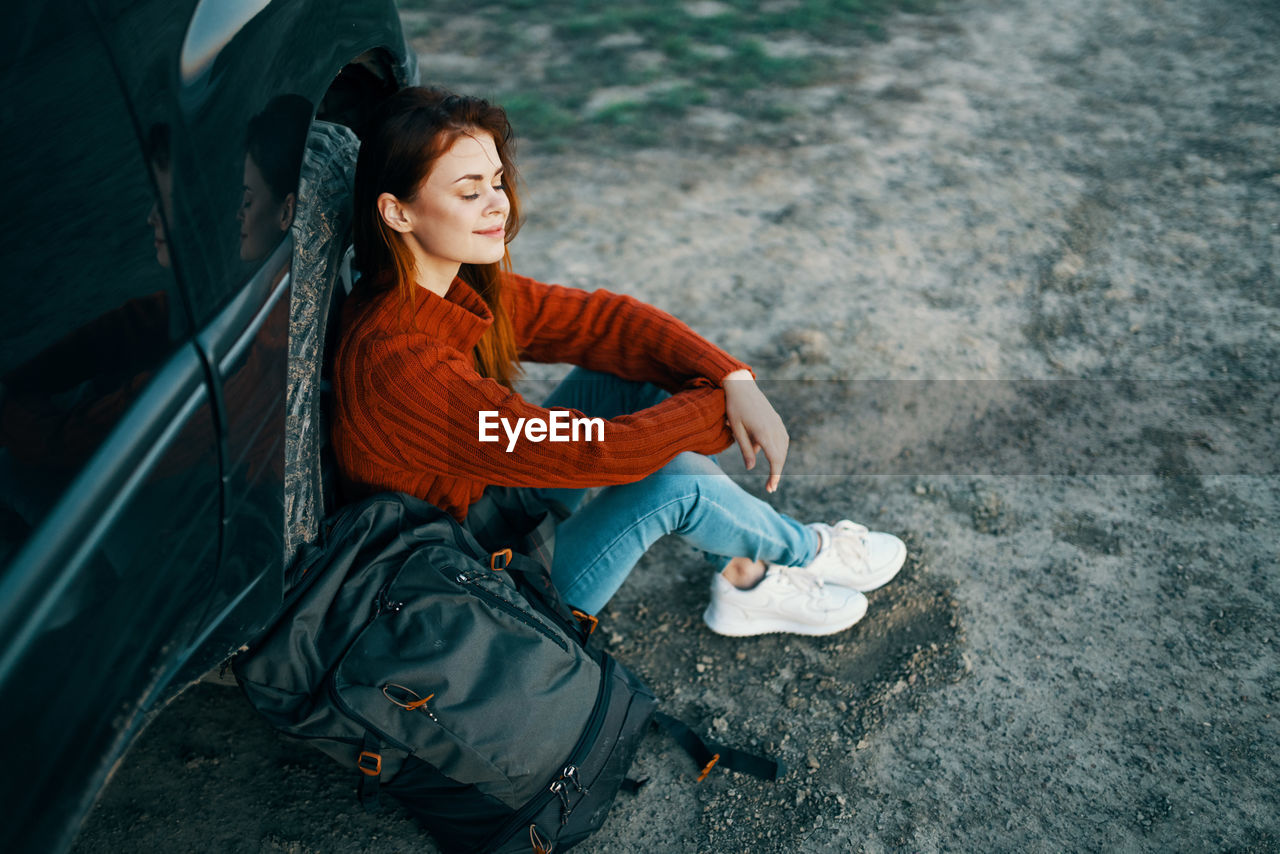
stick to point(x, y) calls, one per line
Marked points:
point(786, 600)
point(852, 556)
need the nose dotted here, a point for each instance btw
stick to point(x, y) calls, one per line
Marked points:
point(499, 202)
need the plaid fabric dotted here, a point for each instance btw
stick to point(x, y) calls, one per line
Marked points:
point(516, 518)
point(525, 522)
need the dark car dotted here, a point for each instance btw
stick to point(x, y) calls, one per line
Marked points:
point(176, 177)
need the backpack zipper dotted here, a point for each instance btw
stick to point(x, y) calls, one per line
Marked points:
point(570, 773)
point(382, 604)
point(566, 624)
point(514, 611)
point(390, 741)
point(556, 789)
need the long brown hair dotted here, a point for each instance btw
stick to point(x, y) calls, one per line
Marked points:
point(408, 133)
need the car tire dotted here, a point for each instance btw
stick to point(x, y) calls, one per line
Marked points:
point(320, 280)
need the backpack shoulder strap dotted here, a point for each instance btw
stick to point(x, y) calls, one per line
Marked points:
point(534, 579)
point(708, 754)
point(370, 764)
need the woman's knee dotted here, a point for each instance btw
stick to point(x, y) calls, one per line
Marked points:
point(671, 489)
point(690, 463)
point(675, 490)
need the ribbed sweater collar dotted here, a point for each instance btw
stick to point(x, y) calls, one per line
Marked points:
point(458, 318)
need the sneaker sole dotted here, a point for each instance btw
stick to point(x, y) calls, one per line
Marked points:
point(775, 626)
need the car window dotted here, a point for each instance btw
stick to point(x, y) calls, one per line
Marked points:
point(90, 305)
point(214, 64)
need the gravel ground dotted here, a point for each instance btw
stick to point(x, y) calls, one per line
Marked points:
point(1081, 651)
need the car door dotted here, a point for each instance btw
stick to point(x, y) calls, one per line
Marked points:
point(110, 490)
point(235, 171)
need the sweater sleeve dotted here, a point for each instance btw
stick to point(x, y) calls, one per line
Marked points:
point(418, 408)
point(614, 333)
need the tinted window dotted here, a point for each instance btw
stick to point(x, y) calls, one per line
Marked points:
point(213, 64)
point(90, 308)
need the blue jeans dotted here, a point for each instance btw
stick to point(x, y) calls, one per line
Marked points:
point(601, 541)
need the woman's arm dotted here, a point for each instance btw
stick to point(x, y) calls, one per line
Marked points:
point(419, 409)
point(613, 333)
point(619, 334)
point(755, 425)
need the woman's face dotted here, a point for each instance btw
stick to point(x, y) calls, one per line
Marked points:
point(263, 218)
point(459, 215)
point(156, 219)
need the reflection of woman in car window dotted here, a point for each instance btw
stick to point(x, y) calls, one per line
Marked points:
point(273, 157)
point(430, 347)
point(60, 403)
point(161, 170)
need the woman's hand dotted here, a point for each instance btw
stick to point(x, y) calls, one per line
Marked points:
point(755, 425)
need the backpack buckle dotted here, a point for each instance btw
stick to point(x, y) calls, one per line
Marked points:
point(369, 763)
point(499, 561)
point(587, 621)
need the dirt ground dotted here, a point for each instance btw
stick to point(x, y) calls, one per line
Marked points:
point(1081, 653)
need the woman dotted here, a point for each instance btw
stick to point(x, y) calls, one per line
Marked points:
point(274, 142)
point(432, 341)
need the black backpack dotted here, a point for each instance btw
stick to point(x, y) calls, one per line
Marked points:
point(457, 681)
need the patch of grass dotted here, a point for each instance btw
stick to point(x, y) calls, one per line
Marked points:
point(535, 116)
point(775, 112)
point(676, 101)
point(661, 106)
point(720, 60)
point(620, 114)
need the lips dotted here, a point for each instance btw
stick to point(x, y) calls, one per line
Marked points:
point(497, 231)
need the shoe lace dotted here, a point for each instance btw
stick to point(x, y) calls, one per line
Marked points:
point(847, 540)
point(799, 578)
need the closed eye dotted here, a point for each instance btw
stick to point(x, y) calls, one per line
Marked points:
point(471, 197)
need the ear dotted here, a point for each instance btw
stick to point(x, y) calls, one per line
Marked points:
point(394, 214)
point(287, 210)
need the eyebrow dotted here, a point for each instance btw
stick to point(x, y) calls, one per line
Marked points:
point(476, 177)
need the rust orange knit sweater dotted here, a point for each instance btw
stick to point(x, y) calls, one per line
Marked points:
point(408, 396)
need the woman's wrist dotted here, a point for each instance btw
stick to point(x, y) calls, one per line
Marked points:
point(740, 374)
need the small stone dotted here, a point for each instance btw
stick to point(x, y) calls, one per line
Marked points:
point(813, 762)
point(862, 744)
point(620, 40)
point(1068, 266)
point(706, 9)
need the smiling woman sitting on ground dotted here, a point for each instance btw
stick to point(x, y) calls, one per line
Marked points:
point(431, 344)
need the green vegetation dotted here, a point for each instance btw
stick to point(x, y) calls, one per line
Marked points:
point(648, 63)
